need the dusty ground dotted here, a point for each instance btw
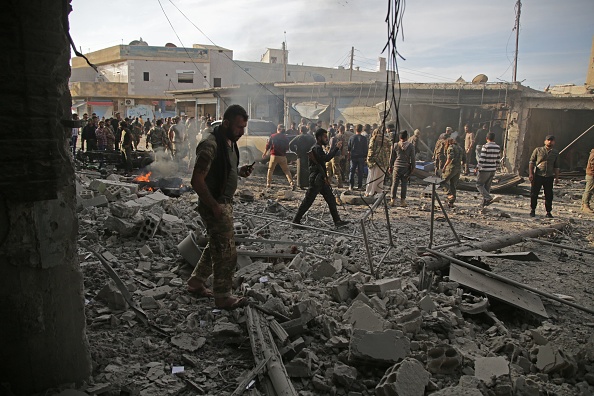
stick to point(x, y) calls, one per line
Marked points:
point(129, 358)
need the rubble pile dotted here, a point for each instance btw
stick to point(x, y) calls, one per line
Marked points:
point(319, 322)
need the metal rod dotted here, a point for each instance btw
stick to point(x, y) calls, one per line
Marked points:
point(323, 230)
point(270, 241)
point(432, 214)
point(559, 245)
point(509, 281)
point(447, 245)
point(388, 222)
point(384, 256)
point(315, 255)
point(576, 139)
point(369, 259)
point(251, 253)
point(447, 218)
point(377, 202)
point(261, 228)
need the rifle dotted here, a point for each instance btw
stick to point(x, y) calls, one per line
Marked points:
point(312, 158)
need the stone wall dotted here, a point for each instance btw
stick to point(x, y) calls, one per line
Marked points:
point(42, 322)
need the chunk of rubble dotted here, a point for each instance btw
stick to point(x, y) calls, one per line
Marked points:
point(188, 342)
point(124, 210)
point(124, 227)
point(427, 304)
point(490, 368)
point(443, 359)
point(407, 378)
point(362, 316)
point(381, 286)
point(410, 320)
point(552, 360)
point(344, 375)
point(226, 329)
point(98, 201)
point(112, 296)
point(383, 347)
point(325, 269)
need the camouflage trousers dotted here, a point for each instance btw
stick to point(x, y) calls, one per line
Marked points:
point(219, 257)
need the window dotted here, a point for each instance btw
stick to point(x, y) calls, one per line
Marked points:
point(185, 77)
point(145, 76)
point(217, 82)
point(273, 59)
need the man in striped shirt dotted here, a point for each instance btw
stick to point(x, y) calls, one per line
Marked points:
point(486, 167)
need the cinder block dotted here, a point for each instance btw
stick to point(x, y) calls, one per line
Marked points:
point(102, 184)
point(149, 227)
point(241, 230)
point(381, 286)
point(114, 193)
point(443, 359)
point(86, 194)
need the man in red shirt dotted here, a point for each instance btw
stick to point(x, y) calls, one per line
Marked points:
point(278, 145)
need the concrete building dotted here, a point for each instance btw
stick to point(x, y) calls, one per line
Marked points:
point(134, 79)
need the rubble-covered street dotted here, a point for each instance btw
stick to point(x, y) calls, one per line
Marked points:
point(315, 306)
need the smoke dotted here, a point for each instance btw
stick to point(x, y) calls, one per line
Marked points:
point(166, 165)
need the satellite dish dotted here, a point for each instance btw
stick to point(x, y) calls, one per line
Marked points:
point(480, 79)
point(170, 45)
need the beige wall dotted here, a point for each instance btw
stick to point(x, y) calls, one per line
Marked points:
point(590, 75)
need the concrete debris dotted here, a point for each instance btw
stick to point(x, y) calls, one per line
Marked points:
point(407, 378)
point(98, 201)
point(489, 368)
point(362, 316)
point(389, 346)
point(323, 324)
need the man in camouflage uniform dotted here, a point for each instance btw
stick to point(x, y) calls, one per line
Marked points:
point(215, 179)
point(335, 168)
point(452, 169)
point(157, 138)
point(439, 154)
point(378, 157)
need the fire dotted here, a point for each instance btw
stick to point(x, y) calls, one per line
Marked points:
point(143, 178)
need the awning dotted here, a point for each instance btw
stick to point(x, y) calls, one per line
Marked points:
point(78, 104)
point(358, 114)
point(310, 110)
point(110, 103)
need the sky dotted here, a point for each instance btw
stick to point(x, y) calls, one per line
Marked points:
point(440, 40)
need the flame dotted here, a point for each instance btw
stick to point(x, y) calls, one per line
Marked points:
point(143, 178)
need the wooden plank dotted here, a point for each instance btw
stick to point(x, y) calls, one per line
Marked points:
point(502, 291)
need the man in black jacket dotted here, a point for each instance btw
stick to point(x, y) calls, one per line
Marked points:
point(357, 152)
point(318, 179)
point(301, 146)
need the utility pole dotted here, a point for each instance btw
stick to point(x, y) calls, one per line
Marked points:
point(352, 56)
point(284, 62)
point(518, 11)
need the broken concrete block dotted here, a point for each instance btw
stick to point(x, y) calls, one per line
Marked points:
point(187, 342)
point(340, 291)
point(294, 327)
point(344, 375)
point(443, 359)
point(407, 378)
point(299, 367)
point(114, 193)
point(145, 252)
point(111, 295)
point(102, 184)
point(381, 286)
point(320, 383)
point(363, 298)
point(388, 346)
point(551, 360)
point(410, 320)
point(307, 310)
point(290, 351)
point(458, 391)
point(361, 316)
point(489, 368)
point(538, 338)
point(157, 293)
point(226, 329)
point(299, 264)
point(98, 201)
point(379, 305)
point(148, 302)
point(524, 386)
point(427, 304)
point(149, 227)
point(123, 227)
point(124, 210)
point(325, 269)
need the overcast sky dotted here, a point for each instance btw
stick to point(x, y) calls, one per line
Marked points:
point(443, 40)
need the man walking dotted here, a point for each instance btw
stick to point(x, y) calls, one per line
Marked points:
point(452, 169)
point(357, 152)
point(215, 179)
point(157, 138)
point(318, 179)
point(589, 191)
point(468, 148)
point(439, 153)
point(543, 170)
point(486, 167)
point(301, 145)
point(403, 154)
point(278, 145)
point(378, 158)
point(335, 162)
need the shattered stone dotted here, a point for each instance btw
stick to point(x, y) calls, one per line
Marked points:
point(443, 359)
point(458, 391)
point(410, 320)
point(361, 316)
point(381, 286)
point(188, 343)
point(379, 305)
point(148, 302)
point(124, 210)
point(294, 327)
point(98, 201)
point(227, 329)
point(489, 368)
point(111, 295)
point(299, 367)
point(407, 378)
point(388, 346)
point(125, 228)
point(551, 360)
point(307, 310)
point(344, 375)
point(524, 386)
point(340, 292)
point(324, 269)
point(145, 252)
point(427, 304)
point(157, 293)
